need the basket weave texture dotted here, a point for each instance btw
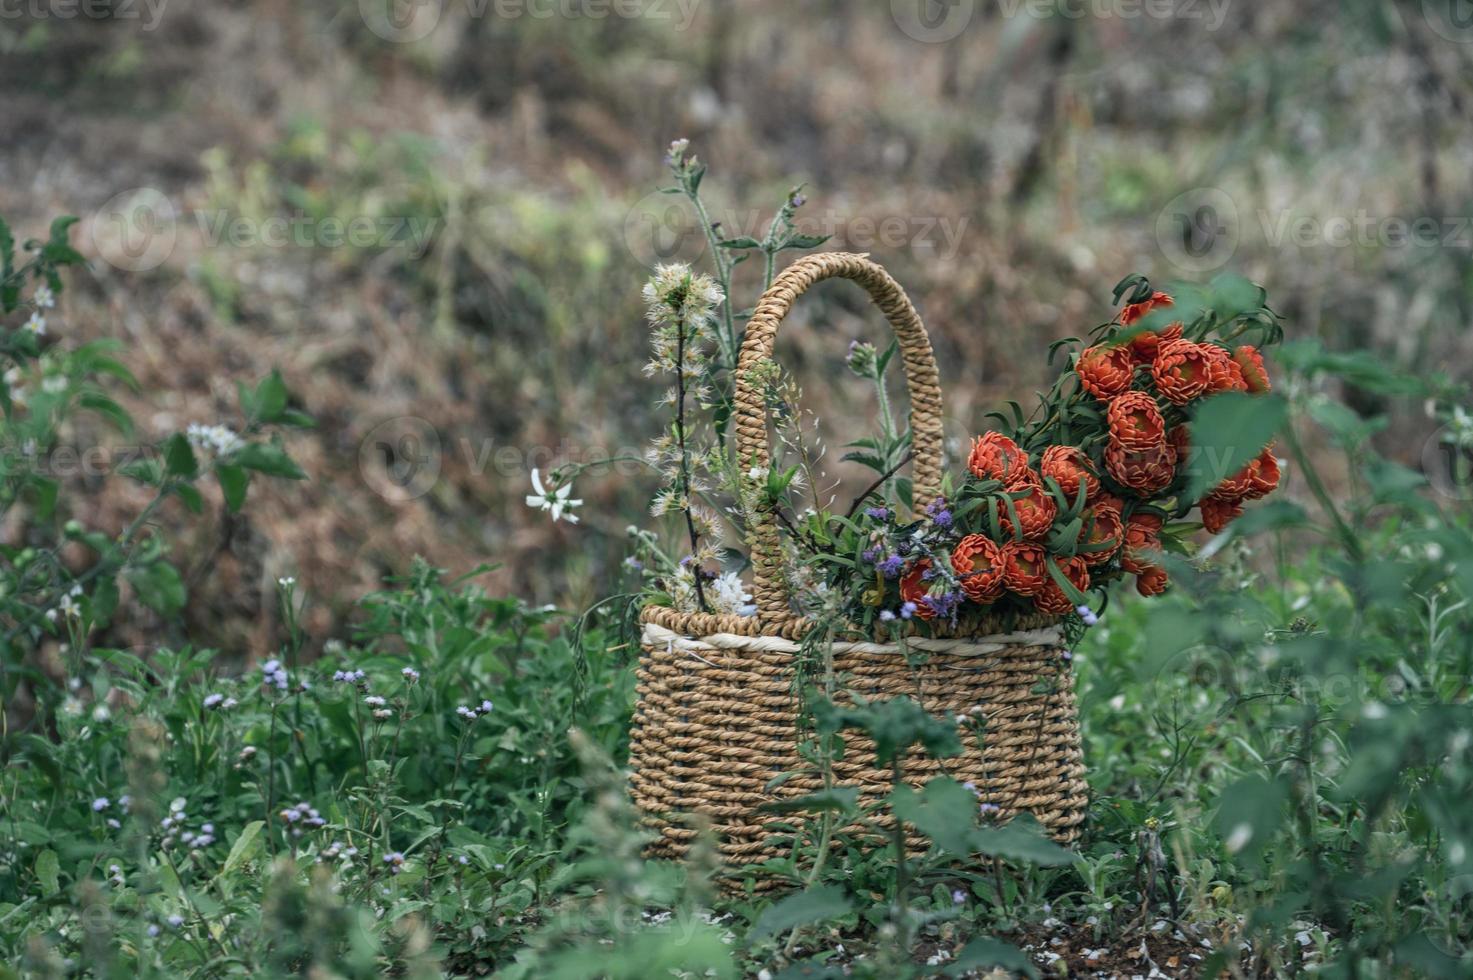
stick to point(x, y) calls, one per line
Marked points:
point(715, 727)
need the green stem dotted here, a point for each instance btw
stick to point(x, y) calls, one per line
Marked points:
point(1317, 487)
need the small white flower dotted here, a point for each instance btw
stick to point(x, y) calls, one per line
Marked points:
point(36, 324)
point(44, 297)
point(69, 607)
point(554, 500)
point(286, 581)
point(54, 385)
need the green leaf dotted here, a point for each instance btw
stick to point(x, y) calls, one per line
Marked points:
point(843, 799)
point(1020, 839)
point(179, 457)
point(190, 494)
point(983, 953)
point(244, 848)
point(1228, 431)
point(48, 873)
point(267, 458)
point(270, 398)
point(803, 241)
point(159, 587)
point(804, 908)
point(944, 810)
point(234, 482)
point(745, 241)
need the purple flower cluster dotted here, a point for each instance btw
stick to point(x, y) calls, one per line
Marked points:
point(471, 714)
point(395, 861)
point(878, 513)
point(939, 512)
point(907, 610)
point(349, 676)
point(174, 829)
point(220, 701)
point(892, 566)
point(300, 817)
point(946, 604)
point(273, 674)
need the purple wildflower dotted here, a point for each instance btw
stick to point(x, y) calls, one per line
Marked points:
point(870, 555)
point(1088, 615)
point(886, 616)
point(907, 610)
point(878, 513)
point(958, 897)
point(892, 566)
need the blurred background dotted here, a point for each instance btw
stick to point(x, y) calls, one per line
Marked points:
point(435, 216)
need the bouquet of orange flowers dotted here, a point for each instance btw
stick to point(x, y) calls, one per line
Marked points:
point(1057, 506)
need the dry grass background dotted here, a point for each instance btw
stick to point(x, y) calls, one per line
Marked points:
point(1046, 149)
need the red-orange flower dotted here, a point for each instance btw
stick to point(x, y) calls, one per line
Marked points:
point(1263, 475)
point(1052, 598)
point(1104, 529)
point(1069, 467)
point(996, 457)
point(1141, 539)
point(1237, 486)
point(1024, 571)
point(1145, 345)
point(1180, 439)
point(1152, 581)
point(1135, 422)
point(1036, 512)
point(1225, 373)
point(1182, 370)
point(914, 587)
point(1218, 512)
point(1145, 473)
point(1254, 373)
point(1134, 311)
point(978, 563)
point(1105, 370)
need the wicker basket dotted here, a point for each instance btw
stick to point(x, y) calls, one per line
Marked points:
point(715, 721)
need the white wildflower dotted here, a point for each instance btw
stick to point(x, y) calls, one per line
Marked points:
point(44, 297)
point(727, 594)
point(36, 324)
point(220, 440)
point(554, 499)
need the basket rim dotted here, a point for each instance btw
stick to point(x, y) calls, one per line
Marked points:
point(795, 627)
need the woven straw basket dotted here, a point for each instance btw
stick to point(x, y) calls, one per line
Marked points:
point(715, 723)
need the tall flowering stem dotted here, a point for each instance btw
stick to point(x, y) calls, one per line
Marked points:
point(682, 312)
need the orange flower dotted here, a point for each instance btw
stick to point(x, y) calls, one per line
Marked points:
point(1105, 370)
point(1263, 475)
point(1052, 599)
point(1218, 512)
point(1141, 532)
point(1023, 568)
point(996, 457)
point(1105, 528)
point(1254, 373)
point(1069, 467)
point(1145, 473)
point(1225, 374)
point(1036, 512)
point(978, 564)
point(1182, 370)
point(1180, 439)
point(1152, 581)
point(914, 587)
point(1135, 422)
point(1134, 311)
point(1237, 486)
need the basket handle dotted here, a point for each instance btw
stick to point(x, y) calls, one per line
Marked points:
point(764, 540)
